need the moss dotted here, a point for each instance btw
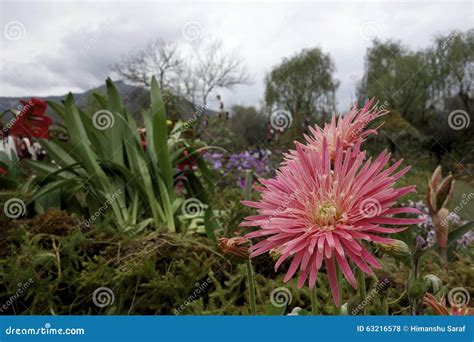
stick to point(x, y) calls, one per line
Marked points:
point(166, 274)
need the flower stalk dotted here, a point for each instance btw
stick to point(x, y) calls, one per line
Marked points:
point(251, 283)
point(361, 287)
point(248, 184)
point(337, 304)
point(314, 301)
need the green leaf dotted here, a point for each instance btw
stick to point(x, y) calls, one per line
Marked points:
point(459, 232)
point(272, 310)
point(211, 223)
point(57, 153)
point(82, 145)
point(135, 156)
point(114, 134)
point(57, 108)
point(160, 137)
point(50, 171)
point(51, 187)
point(167, 205)
point(101, 100)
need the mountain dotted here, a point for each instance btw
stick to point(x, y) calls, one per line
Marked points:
point(134, 98)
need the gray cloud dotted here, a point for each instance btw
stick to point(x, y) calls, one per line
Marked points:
point(70, 46)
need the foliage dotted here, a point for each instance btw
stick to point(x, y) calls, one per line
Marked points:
point(425, 86)
point(155, 273)
point(389, 70)
point(249, 127)
point(12, 172)
point(135, 181)
point(97, 167)
point(303, 85)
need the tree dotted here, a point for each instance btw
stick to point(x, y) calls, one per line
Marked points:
point(159, 58)
point(427, 87)
point(420, 84)
point(210, 68)
point(452, 65)
point(303, 85)
point(249, 127)
point(400, 77)
point(195, 75)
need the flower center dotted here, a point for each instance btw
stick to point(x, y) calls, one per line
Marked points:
point(324, 215)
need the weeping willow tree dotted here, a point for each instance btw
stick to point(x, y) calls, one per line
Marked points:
point(427, 87)
point(303, 85)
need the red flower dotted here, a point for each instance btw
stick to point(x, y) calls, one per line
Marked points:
point(188, 161)
point(32, 122)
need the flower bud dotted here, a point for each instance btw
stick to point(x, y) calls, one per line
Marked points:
point(433, 283)
point(274, 253)
point(420, 243)
point(397, 248)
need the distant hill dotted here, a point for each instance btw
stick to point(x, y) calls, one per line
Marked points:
point(135, 98)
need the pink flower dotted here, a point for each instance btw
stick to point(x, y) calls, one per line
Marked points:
point(319, 208)
point(348, 129)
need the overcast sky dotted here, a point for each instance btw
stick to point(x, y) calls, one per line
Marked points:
point(49, 48)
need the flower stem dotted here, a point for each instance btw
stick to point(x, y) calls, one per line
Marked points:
point(248, 184)
point(361, 287)
point(385, 306)
point(251, 281)
point(337, 308)
point(314, 302)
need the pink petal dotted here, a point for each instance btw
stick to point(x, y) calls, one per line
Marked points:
point(331, 270)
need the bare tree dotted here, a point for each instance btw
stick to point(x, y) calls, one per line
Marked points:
point(206, 68)
point(159, 58)
point(211, 68)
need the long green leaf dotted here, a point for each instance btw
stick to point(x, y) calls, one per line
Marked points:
point(160, 137)
point(82, 146)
